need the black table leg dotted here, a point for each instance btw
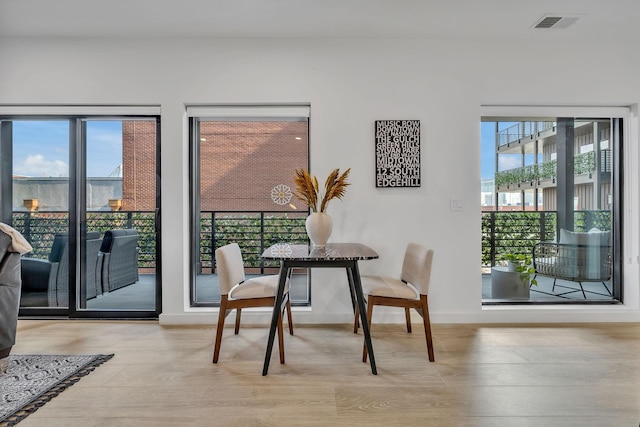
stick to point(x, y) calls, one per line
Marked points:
point(284, 271)
point(351, 291)
point(357, 284)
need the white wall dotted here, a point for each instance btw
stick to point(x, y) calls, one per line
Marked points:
point(350, 84)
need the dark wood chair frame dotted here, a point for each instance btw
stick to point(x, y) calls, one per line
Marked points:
point(227, 305)
point(421, 306)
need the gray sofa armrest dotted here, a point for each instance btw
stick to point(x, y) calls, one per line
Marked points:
point(9, 300)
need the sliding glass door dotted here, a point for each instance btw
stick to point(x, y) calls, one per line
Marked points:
point(83, 192)
point(119, 216)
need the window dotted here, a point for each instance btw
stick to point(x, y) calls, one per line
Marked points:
point(242, 169)
point(551, 199)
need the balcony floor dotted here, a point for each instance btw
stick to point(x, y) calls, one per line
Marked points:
point(565, 292)
point(140, 295)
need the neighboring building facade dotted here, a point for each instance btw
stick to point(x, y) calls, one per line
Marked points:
point(537, 141)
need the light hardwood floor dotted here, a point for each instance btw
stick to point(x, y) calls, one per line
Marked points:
point(484, 375)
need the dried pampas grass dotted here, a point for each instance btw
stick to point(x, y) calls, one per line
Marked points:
point(307, 189)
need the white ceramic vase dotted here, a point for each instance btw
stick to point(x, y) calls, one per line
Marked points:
point(319, 226)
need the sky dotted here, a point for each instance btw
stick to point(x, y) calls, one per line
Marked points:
point(488, 151)
point(41, 148)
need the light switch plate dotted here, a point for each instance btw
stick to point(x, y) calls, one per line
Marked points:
point(455, 204)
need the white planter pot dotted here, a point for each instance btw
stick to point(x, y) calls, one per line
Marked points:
point(319, 226)
point(512, 266)
point(507, 284)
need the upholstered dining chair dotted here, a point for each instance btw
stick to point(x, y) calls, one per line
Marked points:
point(237, 292)
point(409, 291)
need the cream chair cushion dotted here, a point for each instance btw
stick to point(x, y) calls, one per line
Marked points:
point(388, 287)
point(257, 287)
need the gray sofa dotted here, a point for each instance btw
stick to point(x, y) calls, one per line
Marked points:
point(119, 253)
point(9, 298)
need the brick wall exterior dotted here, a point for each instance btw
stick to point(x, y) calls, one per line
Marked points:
point(240, 164)
point(138, 165)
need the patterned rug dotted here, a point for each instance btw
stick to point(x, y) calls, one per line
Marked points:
point(33, 380)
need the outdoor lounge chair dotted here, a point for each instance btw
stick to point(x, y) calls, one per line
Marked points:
point(119, 259)
point(577, 257)
point(50, 276)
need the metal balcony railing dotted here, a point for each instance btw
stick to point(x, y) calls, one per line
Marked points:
point(521, 130)
point(518, 232)
point(253, 231)
point(40, 227)
point(502, 232)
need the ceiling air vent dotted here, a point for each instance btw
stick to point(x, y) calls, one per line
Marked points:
point(555, 22)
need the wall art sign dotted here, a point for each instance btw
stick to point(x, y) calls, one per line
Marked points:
point(398, 153)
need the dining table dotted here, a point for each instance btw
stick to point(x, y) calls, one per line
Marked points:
point(332, 255)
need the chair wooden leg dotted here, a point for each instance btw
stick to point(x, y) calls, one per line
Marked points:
point(427, 326)
point(289, 318)
point(356, 320)
point(407, 315)
point(221, 316)
point(238, 313)
point(370, 305)
point(280, 338)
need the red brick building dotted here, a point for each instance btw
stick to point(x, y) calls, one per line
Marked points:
point(241, 163)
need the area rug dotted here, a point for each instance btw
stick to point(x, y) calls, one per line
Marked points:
point(33, 380)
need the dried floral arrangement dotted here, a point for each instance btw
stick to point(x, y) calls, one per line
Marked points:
point(308, 190)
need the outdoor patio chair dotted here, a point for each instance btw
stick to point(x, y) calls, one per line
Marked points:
point(409, 291)
point(51, 276)
point(237, 292)
point(119, 259)
point(577, 257)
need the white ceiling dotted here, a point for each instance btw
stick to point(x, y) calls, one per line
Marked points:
point(604, 20)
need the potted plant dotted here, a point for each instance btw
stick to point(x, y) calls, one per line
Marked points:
point(521, 263)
